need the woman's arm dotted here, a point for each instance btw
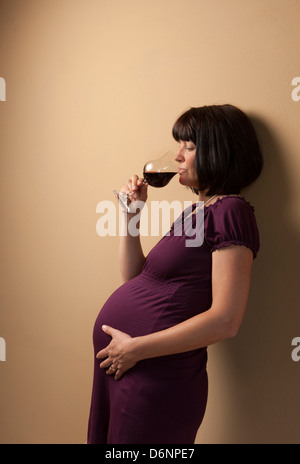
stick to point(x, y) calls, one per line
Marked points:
point(231, 275)
point(131, 256)
point(230, 286)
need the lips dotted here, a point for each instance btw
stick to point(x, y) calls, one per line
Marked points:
point(181, 171)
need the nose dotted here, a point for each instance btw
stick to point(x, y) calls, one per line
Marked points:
point(179, 155)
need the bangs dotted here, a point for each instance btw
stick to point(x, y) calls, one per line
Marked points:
point(185, 128)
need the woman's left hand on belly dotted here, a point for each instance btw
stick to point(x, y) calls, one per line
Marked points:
point(118, 355)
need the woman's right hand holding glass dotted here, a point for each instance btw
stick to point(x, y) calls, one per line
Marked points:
point(136, 190)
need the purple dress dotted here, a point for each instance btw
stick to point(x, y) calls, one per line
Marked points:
point(162, 400)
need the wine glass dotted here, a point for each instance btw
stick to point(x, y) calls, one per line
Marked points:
point(157, 173)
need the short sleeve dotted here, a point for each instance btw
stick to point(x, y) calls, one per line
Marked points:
point(231, 221)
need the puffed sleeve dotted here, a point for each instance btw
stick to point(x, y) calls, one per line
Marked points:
point(231, 221)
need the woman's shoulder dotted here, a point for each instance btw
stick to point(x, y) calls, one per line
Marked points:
point(230, 202)
point(231, 219)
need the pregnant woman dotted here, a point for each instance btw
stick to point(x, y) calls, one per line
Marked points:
point(151, 336)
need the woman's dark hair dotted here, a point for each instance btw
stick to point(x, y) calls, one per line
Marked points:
point(228, 156)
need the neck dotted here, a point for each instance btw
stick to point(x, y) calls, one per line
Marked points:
point(206, 198)
point(203, 196)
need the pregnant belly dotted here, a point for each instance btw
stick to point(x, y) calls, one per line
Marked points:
point(146, 305)
point(139, 307)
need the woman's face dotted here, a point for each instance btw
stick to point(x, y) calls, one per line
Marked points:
point(186, 159)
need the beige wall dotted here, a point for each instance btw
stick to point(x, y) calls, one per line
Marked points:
point(93, 88)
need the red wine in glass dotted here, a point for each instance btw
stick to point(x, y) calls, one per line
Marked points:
point(158, 179)
point(157, 173)
point(160, 171)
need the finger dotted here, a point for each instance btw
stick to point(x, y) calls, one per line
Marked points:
point(137, 185)
point(118, 374)
point(111, 370)
point(144, 186)
point(109, 330)
point(134, 182)
point(102, 354)
point(106, 364)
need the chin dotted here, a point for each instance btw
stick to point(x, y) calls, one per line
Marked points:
point(188, 184)
point(182, 181)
